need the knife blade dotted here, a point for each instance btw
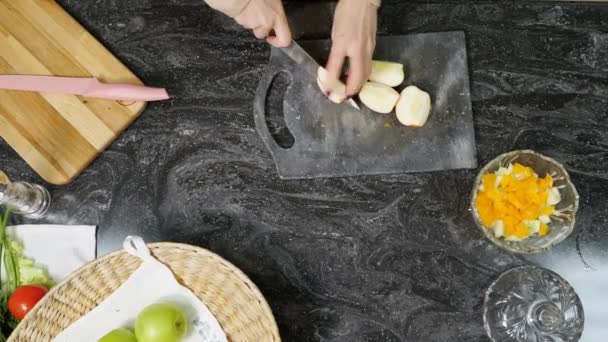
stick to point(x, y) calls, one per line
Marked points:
point(306, 62)
point(84, 86)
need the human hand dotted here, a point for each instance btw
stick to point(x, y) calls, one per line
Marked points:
point(353, 36)
point(265, 17)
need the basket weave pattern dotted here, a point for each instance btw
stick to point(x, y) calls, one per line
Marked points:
point(235, 301)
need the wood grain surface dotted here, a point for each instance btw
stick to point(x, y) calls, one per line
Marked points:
point(57, 135)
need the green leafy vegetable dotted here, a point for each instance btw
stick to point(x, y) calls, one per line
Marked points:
point(19, 271)
point(28, 273)
point(11, 267)
point(8, 323)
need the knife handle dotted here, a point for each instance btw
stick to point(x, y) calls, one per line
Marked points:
point(125, 92)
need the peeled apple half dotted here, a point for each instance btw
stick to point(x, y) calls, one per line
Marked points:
point(379, 97)
point(413, 107)
point(338, 89)
point(387, 73)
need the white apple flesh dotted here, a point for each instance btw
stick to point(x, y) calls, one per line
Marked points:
point(554, 196)
point(378, 97)
point(334, 89)
point(388, 73)
point(413, 107)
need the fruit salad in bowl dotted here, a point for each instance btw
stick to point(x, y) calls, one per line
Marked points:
point(524, 202)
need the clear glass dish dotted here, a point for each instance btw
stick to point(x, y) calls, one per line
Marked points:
point(562, 222)
point(532, 304)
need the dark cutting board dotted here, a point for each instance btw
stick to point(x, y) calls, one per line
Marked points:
point(337, 140)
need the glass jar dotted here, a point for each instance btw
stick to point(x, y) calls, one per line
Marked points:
point(29, 200)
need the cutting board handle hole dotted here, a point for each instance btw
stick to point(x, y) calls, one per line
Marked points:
point(275, 118)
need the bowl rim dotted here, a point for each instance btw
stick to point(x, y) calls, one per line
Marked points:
point(488, 234)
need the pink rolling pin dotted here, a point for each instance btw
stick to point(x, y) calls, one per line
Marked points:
point(87, 87)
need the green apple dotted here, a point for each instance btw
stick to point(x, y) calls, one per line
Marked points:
point(119, 335)
point(160, 322)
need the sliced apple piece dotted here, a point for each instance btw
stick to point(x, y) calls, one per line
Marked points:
point(532, 225)
point(499, 228)
point(497, 181)
point(379, 97)
point(504, 171)
point(544, 219)
point(413, 107)
point(387, 73)
point(334, 89)
point(554, 196)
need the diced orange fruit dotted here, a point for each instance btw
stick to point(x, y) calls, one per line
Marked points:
point(489, 181)
point(514, 198)
point(548, 210)
point(544, 229)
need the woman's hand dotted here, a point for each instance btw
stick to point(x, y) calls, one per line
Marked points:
point(266, 18)
point(353, 36)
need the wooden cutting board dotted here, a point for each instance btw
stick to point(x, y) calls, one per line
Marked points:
point(57, 135)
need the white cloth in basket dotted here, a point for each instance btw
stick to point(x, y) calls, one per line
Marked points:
point(151, 283)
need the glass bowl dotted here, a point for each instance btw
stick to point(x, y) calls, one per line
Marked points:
point(562, 222)
point(530, 303)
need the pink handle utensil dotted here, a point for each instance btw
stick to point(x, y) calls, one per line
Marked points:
point(87, 87)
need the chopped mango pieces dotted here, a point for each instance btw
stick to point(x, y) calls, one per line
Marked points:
point(544, 229)
point(517, 201)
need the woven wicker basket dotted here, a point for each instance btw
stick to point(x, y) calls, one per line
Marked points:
point(235, 301)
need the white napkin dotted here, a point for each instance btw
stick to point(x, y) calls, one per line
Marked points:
point(61, 249)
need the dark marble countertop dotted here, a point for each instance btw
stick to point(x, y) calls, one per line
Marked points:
point(383, 258)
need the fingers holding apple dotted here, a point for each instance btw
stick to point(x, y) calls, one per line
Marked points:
point(333, 88)
point(412, 106)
